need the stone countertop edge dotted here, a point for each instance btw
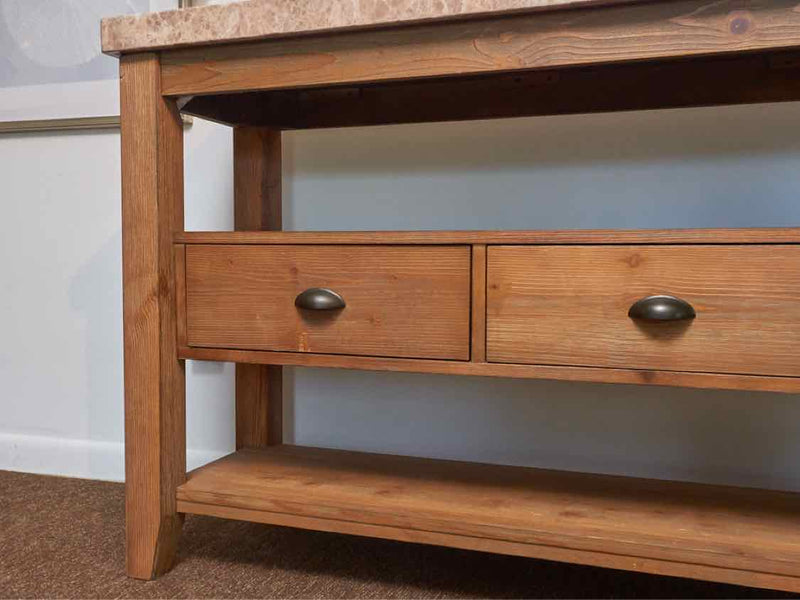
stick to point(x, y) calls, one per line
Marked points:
point(260, 19)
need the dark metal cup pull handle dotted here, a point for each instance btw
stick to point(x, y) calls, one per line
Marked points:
point(661, 308)
point(319, 299)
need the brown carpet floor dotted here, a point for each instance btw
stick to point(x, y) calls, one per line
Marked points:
point(63, 538)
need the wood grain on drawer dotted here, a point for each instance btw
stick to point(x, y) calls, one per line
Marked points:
point(402, 301)
point(568, 305)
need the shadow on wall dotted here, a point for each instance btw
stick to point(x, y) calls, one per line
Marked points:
point(706, 167)
point(562, 141)
point(738, 438)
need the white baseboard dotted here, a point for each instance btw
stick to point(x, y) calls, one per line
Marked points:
point(86, 459)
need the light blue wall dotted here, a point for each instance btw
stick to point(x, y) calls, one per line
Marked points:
point(711, 167)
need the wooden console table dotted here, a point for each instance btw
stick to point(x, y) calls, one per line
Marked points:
point(697, 308)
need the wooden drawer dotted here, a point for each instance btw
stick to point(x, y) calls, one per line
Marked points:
point(401, 301)
point(568, 305)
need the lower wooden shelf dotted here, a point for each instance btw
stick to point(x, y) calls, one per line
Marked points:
point(736, 535)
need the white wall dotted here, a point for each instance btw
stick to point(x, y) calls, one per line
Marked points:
point(60, 292)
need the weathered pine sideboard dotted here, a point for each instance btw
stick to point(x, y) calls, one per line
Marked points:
point(697, 308)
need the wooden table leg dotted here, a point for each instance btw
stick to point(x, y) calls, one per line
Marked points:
point(152, 210)
point(257, 206)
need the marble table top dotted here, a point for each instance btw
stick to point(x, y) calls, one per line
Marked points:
point(258, 19)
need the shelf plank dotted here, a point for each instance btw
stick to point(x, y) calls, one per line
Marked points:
point(719, 381)
point(763, 235)
point(742, 535)
point(597, 559)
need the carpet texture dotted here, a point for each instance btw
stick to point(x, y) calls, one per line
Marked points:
point(64, 538)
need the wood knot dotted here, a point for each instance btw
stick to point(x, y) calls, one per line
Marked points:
point(164, 285)
point(647, 376)
point(571, 514)
point(634, 260)
point(739, 23)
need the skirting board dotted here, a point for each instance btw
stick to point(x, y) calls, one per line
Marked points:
point(85, 459)
point(104, 461)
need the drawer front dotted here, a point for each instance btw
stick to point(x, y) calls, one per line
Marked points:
point(401, 301)
point(568, 305)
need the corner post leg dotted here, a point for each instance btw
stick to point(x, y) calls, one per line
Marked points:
point(152, 211)
point(257, 206)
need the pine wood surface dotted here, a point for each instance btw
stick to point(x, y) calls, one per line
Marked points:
point(790, 385)
point(643, 85)
point(152, 213)
point(179, 256)
point(568, 305)
point(755, 531)
point(258, 206)
point(755, 235)
point(478, 345)
point(401, 301)
point(552, 553)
